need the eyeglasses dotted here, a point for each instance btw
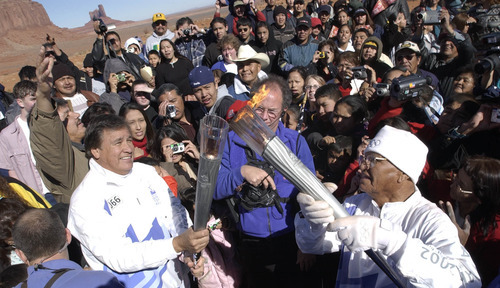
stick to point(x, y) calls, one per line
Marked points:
point(142, 93)
point(271, 113)
point(162, 23)
point(242, 29)
point(370, 160)
point(309, 87)
point(464, 191)
point(407, 57)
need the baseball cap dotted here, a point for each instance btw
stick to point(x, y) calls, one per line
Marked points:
point(315, 22)
point(324, 8)
point(158, 17)
point(304, 21)
point(238, 3)
point(408, 45)
point(200, 76)
point(359, 11)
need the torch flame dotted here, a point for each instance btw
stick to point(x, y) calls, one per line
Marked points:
point(259, 96)
point(256, 99)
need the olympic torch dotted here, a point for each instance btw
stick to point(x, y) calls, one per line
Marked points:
point(257, 135)
point(213, 134)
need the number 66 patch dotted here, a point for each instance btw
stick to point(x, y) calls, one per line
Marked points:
point(114, 201)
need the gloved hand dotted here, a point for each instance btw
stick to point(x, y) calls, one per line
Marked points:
point(360, 233)
point(316, 212)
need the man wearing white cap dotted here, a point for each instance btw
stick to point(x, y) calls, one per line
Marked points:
point(415, 237)
point(250, 65)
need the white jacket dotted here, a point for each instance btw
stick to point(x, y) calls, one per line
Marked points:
point(431, 255)
point(126, 224)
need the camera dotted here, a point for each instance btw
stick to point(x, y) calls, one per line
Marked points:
point(102, 27)
point(492, 62)
point(171, 111)
point(177, 148)
point(121, 77)
point(429, 17)
point(382, 89)
point(404, 88)
point(187, 32)
point(50, 53)
point(359, 72)
point(322, 55)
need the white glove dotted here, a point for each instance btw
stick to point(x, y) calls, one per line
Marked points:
point(316, 212)
point(360, 233)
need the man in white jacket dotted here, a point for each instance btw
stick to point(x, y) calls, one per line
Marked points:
point(415, 237)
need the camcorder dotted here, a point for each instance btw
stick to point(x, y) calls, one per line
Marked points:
point(490, 46)
point(404, 88)
point(171, 111)
point(177, 148)
point(382, 89)
point(359, 72)
point(430, 17)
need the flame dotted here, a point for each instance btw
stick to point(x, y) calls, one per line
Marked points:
point(259, 96)
point(256, 99)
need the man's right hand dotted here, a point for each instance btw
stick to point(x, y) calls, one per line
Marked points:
point(44, 74)
point(191, 241)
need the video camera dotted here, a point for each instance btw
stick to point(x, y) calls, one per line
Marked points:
point(429, 17)
point(404, 88)
point(490, 45)
point(103, 28)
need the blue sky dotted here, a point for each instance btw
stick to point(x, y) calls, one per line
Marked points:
point(75, 13)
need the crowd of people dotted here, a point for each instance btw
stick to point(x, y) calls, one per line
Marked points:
point(395, 111)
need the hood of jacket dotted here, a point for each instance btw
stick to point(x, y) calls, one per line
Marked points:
point(379, 46)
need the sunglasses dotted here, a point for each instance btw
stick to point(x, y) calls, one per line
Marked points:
point(407, 57)
point(162, 23)
point(242, 29)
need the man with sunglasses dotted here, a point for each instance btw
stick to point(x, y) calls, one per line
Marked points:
point(160, 32)
point(408, 55)
point(413, 235)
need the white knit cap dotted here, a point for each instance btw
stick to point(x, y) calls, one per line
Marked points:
point(402, 148)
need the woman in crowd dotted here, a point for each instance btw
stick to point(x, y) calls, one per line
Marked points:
point(475, 190)
point(265, 43)
point(323, 62)
point(362, 19)
point(174, 68)
point(296, 82)
point(141, 128)
point(348, 117)
point(347, 84)
point(342, 18)
point(180, 163)
point(313, 82)
point(228, 45)
point(344, 39)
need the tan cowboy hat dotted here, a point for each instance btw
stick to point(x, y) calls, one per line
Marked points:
point(246, 52)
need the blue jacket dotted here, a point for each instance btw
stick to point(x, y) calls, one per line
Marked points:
point(262, 222)
point(293, 54)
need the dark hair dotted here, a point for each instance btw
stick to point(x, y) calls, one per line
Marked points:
point(112, 33)
point(396, 122)
point(148, 161)
point(39, 233)
point(176, 52)
point(93, 133)
point(358, 107)
point(10, 209)
point(369, 20)
point(24, 88)
point(282, 85)
point(244, 22)
point(150, 133)
point(342, 143)
point(167, 87)
point(183, 21)
point(395, 68)
point(173, 131)
point(333, 47)
point(95, 110)
point(485, 175)
point(218, 20)
point(295, 109)
point(139, 82)
point(329, 90)
point(301, 70)
point(27, 72)
point(364, 30)
point(151, 52)
point(348, 26)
